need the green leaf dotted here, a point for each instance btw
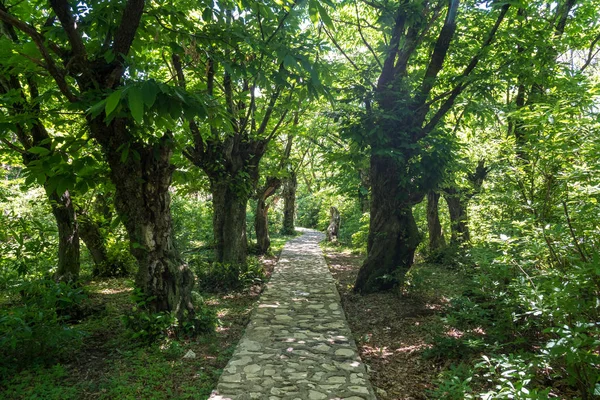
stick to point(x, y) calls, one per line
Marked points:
point(42, 151)
point(207, 14)
point(136, 103)
point(125, 154)
point(289, 61)
point(313, 11)
point(112, 102)
point(97, 108)
point(149, 92)
point(325, 16)
point(109, 56)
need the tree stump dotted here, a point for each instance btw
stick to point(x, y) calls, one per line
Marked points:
point(334, 224)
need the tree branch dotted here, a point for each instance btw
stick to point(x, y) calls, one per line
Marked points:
point(416, 34)
point(57, 73)
point(363, 37)
point(124, 36)
point(387, 72)
point(447, 105)
point(12, 146)
point(591, 53)
point(280, 25)
point(437, 59)
point(128, 27)
point(268, 112)
point(62, 9)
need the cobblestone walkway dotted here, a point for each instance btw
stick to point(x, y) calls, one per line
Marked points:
point(297, 345)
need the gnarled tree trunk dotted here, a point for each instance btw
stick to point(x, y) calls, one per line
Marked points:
point(68, 236)
point(333, 230)
point(393, 232)
point(92, 237)
point(143, 201)
point(289, 203)
point(405, 115)
point(436, 236)
point(229, 223)
point(261, 219)
point(458, 216)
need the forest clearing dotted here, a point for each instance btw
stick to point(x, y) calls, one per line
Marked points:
point(300, 199)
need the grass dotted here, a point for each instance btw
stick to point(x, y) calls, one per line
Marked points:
point(107, 364)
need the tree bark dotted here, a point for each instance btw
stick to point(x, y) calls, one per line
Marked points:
point(229, 223)
point(289, 204)
point(363, 191)
point(142, 180)
point(458, 216)
point(436, 236)
point(34, 134)
point(393, 232)
point(143, 201)
point(333, 230)
point(261, 219)
point(68, 236)
point(92, 237)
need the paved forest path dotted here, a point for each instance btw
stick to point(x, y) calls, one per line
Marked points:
point(297, 344)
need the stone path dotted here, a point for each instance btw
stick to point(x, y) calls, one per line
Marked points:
point(297, 345)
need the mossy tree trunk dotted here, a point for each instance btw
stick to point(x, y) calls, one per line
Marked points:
point(143, 202)
point(404, 117)
point(261, 219)
point(393, 232)
point(288, 193)
point(436, 236)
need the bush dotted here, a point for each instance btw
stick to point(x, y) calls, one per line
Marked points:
point(120, 262)
point(147, 327)
point(309, 208)
point(217, 277)
point(35, 329)
point(361, 235)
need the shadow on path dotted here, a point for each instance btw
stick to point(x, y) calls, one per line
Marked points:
point(297, 344)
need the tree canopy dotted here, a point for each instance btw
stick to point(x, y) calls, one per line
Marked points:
point(175, 140)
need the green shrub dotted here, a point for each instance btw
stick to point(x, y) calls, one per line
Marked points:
point(147, 327)
point(35, 329)
point(309, 208)
point(120, 262)
point(454, 384)
point(217, 277)
point(361, 235)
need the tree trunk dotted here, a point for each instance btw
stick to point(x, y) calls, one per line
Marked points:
point(261, 219)
point(289, 204)
point(363, 191)
point(436, 237)
point(90, 233)
point(229, 223)
point(333, 229)
point(458, 216)
point(393, 232)
point(261, 226)
point(143, 201)
point(68, 236)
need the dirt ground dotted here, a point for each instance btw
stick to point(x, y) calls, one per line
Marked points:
point(391, 331)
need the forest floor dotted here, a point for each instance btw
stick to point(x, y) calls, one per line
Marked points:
point(108, 364)
point(393, 329)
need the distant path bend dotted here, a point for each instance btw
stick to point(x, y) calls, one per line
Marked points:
point(298, 345)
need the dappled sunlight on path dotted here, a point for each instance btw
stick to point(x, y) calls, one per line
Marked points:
point(298, 344)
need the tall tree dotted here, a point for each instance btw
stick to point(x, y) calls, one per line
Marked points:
point(92, 68)
point(410, 99)
point(36, 143)
point(272, 184)
point(256, 66)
